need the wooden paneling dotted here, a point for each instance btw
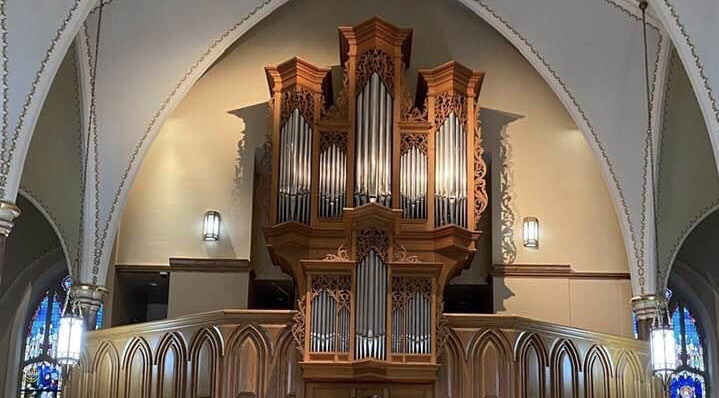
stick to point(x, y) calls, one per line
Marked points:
point(230, 354)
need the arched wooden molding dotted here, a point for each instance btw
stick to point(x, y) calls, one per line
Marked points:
point(248, 353)
point(171, 343)
point(597, 360)
point(490, 357)
point(137, 349)
point(565, 348)
point(630, 378)
point(529, 386)
point(212, 339)
point(105, 387)
point(453, 368)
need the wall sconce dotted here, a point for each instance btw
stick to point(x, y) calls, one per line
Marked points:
point(70, 336)
point(211, 226)
point(531, 232)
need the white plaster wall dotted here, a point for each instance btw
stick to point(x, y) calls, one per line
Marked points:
point(688, 183)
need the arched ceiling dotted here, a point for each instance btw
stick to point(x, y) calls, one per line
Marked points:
point(152, 52)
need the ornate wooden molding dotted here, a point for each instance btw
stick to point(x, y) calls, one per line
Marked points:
point(372, 239)
point(552, 271)
point(190, 265)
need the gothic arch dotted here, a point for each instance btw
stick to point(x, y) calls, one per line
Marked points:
point(630, 377)
point(285, 367)
point(248, 351)
point(138, 348)
point(532, 382)
point(562, 348)
point(176, 343)
point(106, 351)
point(597, 359)
point(480, 358)
point(212, 339)
point(452, 360)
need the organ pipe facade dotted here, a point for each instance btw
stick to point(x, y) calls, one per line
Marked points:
point(374, 203)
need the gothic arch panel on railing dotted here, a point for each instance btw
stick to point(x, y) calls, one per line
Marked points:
point(249, 350)
point(205, 352)
point(532, 360)
point(171, 362)
point(137, 367)
point(491, 360)
point(453, 369)
point(565, 367)
point(105, 372)
point(629, 376)
point(597, 373)
point(286, 374)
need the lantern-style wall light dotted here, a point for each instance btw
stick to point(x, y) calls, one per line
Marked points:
point(70, 336)
point(531, 232)
point(663, 346)
point(211, 226)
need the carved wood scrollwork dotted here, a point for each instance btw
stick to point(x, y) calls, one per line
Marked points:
point(339, 287)
point(300, 99)
point(480, 171)
point(375, 61)
point(447, 103)
point(404, 288)
point(442, 331)
point(372, 239)
point(413, 140)
point(337, 138)
point(298, 324)
point(401, 255)
point(341, 255)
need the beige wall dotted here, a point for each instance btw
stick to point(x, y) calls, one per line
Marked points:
point(193, 292)
point(203, 156)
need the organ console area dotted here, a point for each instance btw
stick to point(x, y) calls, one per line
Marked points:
point(376, 195)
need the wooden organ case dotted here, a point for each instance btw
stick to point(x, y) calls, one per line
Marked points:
point(375, 199)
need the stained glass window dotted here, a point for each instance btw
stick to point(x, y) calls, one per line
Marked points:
point(689, 380)
point(40, 375)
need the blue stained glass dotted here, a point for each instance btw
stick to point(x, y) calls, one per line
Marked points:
point(35, 341)
point(687, 385)
point(100, 317)
point(677, 327)
point(635, 325)
point(695, 354)
point(54, 325)
point(41, 376)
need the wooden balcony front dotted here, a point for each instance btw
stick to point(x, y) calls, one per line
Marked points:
point(248, 353)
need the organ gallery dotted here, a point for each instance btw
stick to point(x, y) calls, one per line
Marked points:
point(372, 192)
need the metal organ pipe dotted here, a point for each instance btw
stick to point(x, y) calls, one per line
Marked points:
point(374, 143)
point(451, 173)
point(413, 183)
point(333, 176)
point(371, 302)
point(295, 170)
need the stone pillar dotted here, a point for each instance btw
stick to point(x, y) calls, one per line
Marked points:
point(8, 213)
point(88, 298)
point(646, 308)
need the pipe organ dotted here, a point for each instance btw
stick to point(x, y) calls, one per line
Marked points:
point(375, 200)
